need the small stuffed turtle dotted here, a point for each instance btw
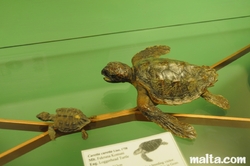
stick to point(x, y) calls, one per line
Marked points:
point(65, 120)
point(147, 147)
point(165, 81)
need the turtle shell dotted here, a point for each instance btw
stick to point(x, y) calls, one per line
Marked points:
point(173, 82)
point(150, 146)
point(69, 120)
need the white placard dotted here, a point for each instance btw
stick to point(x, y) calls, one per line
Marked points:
point(156, 150)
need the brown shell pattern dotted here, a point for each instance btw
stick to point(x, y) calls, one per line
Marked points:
point(150, 146)
point(70, 119)
point(173, 82)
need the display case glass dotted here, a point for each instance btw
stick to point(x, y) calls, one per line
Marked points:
point(52, 54)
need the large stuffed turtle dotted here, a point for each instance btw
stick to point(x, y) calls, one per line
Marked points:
point(66, 120)
point(165, 81)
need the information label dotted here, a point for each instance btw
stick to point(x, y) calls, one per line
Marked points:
point(156, 150)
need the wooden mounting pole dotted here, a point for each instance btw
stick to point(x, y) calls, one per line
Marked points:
point(103, 121)
point(231, 58)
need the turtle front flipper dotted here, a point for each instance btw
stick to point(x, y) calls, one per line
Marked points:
point(154, 51)
point(166, 121)
point(218, 100)
point(52, 133)
point(84, 134)
point(169, 122)
point(145, 157)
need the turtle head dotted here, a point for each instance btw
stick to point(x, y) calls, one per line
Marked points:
point(116, 72)
point(45, 116)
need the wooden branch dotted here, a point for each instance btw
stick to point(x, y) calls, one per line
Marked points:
point(214, 120)
point(231, 58)
point(135, 115)
point(23, 148)
point(103, 121)
point(23, 125)
point(128, 115)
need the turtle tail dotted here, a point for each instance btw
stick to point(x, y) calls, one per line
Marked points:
point(170, 123)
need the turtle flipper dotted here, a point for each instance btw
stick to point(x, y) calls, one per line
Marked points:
point(154, 51)
point(218, 100)
point(138, 151)
point(164, 143)
point(170, 123)
point(166, 121)
point(52, 133)
point(84, 134)
point(145, 157)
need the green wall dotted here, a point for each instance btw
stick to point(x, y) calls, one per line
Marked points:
point(52, 52)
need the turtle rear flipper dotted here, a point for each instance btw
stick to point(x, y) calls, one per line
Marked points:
point(171, 123)
point(145, 157)
point(218, 100)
